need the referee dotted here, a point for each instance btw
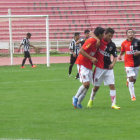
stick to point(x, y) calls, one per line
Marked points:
point(74, 50)
point(26, 43)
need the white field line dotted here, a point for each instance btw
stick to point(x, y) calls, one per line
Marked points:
point(21, 70)
point(15, 139)
point(33, 81)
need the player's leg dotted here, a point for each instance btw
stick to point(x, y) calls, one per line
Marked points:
point(109, 80)
point(127, 81)
point(88, 79)
point(92, 96)
point(83, 94)
point(131, 88)
point(77, 76)
point(113, 96)
point(97, 80)
point(30, 60)
point(29, 57)
point(131, 74)
point(85, 80)
point(24, 60)
point(72, 61)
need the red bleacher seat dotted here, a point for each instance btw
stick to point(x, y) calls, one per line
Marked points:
point(68, 16)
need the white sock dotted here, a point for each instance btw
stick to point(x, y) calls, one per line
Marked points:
point(79, 92)
point(82, 96)
point(92, 95)
point(113, 96)
point(131, 89)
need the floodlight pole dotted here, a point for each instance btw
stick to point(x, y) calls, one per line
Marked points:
point(10, 36)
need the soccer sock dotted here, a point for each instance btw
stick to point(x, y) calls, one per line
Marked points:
point(77, 75)
point(113, 96)
point(30, 61)
point(92, 95)
point(79, 92)
point(23, 62)
point(82, 96)
point(70, 68)
point(131, 89)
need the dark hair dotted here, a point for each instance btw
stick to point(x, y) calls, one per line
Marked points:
point(129, 30)
point(98, 31)
point(86, 31)
point(109, 30)
point(29, 34)
point(76, 34)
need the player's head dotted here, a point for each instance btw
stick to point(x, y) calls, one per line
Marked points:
point(77, 36)
point(87, 33)
point(99, 32)
point(108, 35)
point(130, 34)
point(28, 35)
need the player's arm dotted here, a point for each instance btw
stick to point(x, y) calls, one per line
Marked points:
point(78, 42)
point(137, 53)
point(20, 47)
point(84, 53)
point(122, 51)
point(32, 46)
point(111, 66)
point(94, 36)
point(114, 53)
point(74, 55)
point(120, 55)
point(71, 47)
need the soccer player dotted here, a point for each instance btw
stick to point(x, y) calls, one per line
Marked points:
point(82, 41)
point(131, 48)
point(27, 46)
point(74, 50)
point(84, 63)
point(87, 35)
point(104, 68)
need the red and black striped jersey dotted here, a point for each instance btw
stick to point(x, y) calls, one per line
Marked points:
point(104, 52)
point(130, 47)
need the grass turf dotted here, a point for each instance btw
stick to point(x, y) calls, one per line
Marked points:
point(36, 104)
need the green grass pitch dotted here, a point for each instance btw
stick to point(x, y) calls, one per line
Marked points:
point(37, 104)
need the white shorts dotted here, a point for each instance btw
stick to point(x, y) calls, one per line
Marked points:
point(132, 71)
point(101, 75)
point(85, 74)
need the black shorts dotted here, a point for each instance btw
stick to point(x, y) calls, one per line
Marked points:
point(27, 54)
point(72, 59)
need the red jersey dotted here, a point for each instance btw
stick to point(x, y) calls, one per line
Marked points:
point(89, 47)
point(130, 47)
point(103, 54)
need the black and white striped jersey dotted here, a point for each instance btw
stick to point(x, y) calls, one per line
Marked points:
point(26, 43)
point(75, 48)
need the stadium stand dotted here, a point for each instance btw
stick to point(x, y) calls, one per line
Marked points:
point(68, 16)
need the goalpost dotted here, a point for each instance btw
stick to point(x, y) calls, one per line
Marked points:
point(38, 24)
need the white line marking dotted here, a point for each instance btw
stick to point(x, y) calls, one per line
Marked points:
point(32, 81)
point(16, 139)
